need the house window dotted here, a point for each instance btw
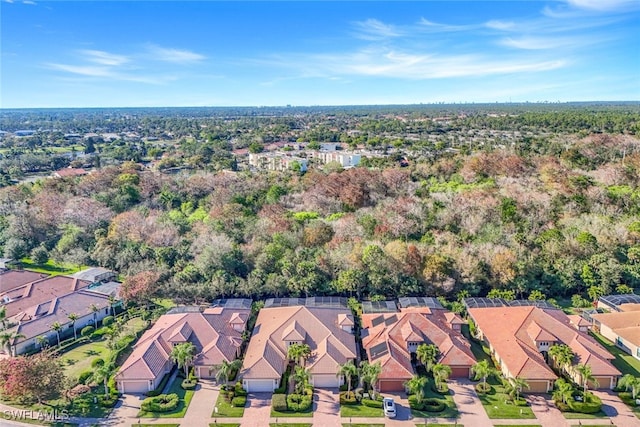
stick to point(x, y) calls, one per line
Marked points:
point(619, 342)
point(638, 352)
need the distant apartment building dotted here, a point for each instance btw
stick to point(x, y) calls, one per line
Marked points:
point(277, 161)
point(346, 159)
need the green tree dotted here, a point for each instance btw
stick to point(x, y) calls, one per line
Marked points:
point(427, 354)
point(562, 356)
point(369, 374)
point(56, 326)
point(73, 317)
point(416, 387)
point(517, 384)
point(299, 353)
point(563, 390)
point(441, 373)
point(3, 317)
point(586, 376)
point(183, 354)
point(301, 378)
point(629, 382)
point(225, 369)
point(7, 339)
point(347, 370)
point(482, 370)
point(101, 374)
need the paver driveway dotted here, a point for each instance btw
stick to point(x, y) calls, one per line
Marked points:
point(258, 413)
point(326, 407)
point(615, 408)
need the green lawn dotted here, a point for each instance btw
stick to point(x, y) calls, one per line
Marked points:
point(226, 410)
point(451, 411)
point(497, 404)
point(185, 398)
point(361, 411)
point(49, 268)
point(78, 359)
point(579, 416)
point(277, 414)
point(290, 425)
point(480, 351)
point(626, 363)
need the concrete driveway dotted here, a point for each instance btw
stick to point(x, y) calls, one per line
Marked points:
point(258, 411)
point(618, 412)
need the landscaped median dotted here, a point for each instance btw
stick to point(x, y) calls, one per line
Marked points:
point(432, 402)
point(183, 399)
point(353, 404)
point(231, 402)
point(499, 405)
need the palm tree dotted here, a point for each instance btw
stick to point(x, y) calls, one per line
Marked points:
point(369, 373)
point(7, 339)
point(183, 354)
point(3, 317)
point(586, 376)
point(441, 373)
point(56, 326)
point(416, 386)
point(102, 374)
point(112, 301)
point(427, 354)
point(299, 353)
point(74, 317)
point(94, 309)
point(301, 377)
point(518, 384)
point(42, 341)
point(348, 370)
point(562, 356)
point(630, 382)
point(482, 370)
point(225, 369)
point(564, 390)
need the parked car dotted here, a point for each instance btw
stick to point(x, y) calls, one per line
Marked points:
point(389, 407)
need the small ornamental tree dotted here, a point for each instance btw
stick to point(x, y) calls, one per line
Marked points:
point(139, 287)
point(35, 377)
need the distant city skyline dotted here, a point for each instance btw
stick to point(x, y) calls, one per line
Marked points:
point(214, 53)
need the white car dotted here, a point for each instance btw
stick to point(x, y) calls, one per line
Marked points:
point(389, 407)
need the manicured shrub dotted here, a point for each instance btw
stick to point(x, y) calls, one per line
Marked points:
point(84, 376)
point(239, 390)
point(433, 405)
point(239, 401)
point(108, 320)
point(87, 330)
point(483, 388)
point(284, 381)
point(279, 402)
point(108, 401)
point(308, 391)
point(372, 403)
point(97, 362)
point(160, 403)
point(590, 405)
point(344, 387)
point(99, 333)
point(348, 398)
point(298, 402)
point(188, 384)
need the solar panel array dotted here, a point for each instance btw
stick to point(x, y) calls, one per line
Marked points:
point(376, 321)
point(391, 320)
point(379, 350)
point(232, 303)
point(527, 303)
point(379, 307)
point(430, 302)
point(316, 302)
point(616, 300)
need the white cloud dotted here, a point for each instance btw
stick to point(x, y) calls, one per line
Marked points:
point(29, 2)
point(425, 24)
point(540, 43)
point(372, 29)
point(604, 5)
point(104, 58)
point(500, 25)
point(174, 55)
point(83, 70)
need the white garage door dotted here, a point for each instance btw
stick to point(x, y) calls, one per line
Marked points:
point(135, 386)
point(327, 381)
point(255, 386)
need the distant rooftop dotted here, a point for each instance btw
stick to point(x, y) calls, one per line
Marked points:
point(369, 307)
point(317, 302)
point(429, 302)
point(500, 302)
point(614, 301)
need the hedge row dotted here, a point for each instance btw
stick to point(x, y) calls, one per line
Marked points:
point(299, 402)
point(161, 403)
point(429, 404)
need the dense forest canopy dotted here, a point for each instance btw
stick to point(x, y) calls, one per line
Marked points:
point(530, 198)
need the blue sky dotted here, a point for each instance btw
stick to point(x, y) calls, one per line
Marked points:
point(213, 53)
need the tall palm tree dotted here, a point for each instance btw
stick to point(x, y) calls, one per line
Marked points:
point(301, 378)
point(427, 354)
point(630, 382)
point(562, 355)
point(348, 370)
point(74, 317)
point(94, 309)
point(112, 301)
point(586, 376)
point(441, 373)
point(102, 374)
point(42, 341)
point(369, 373)
point(564, 390)
point(56, 326)
point(7, 339)
point(416, 386)
point(482, 370)
point(224, 370)
point(183, 354)
point(518, 384)
point(3, 317)
point(299, 353)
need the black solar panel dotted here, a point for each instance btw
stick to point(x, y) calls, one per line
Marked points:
point(429, 302)
point(379, 350)
point(391, 320)
point(377, 321)
point(379, 307)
